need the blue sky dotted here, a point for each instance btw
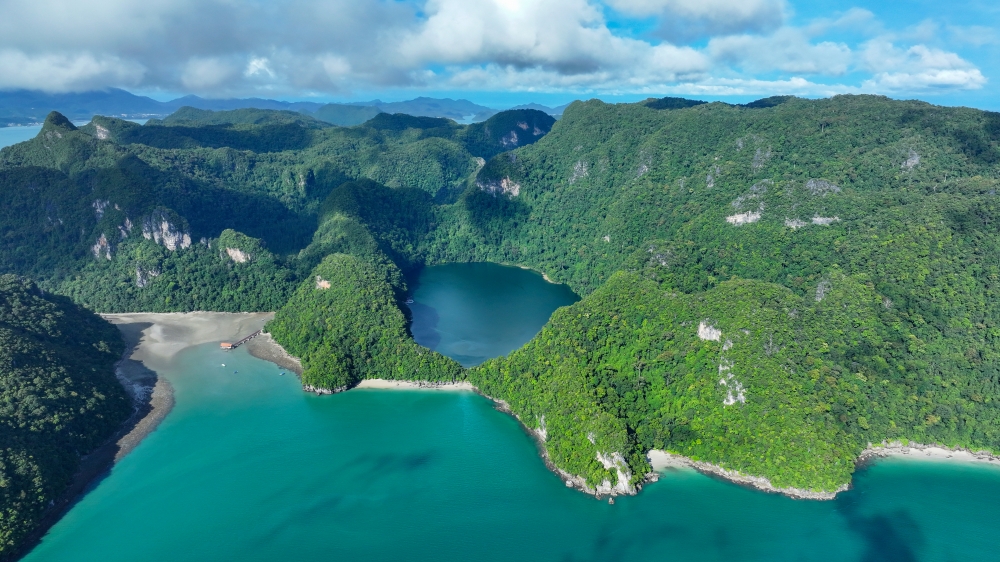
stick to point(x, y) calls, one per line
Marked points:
point(506, 52)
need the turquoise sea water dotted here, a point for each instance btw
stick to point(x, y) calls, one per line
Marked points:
point(248, 467)
point(14, 135)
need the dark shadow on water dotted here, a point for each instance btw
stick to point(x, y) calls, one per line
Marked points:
point(615, 542)
point(389, 462)
point(424, 325)
point(318, 508)
point(888, 537)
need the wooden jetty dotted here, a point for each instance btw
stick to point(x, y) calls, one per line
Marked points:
point(230, 345)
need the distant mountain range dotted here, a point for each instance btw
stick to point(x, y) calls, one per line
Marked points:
point(24, 107)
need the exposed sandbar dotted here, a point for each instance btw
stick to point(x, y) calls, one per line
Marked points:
point(264, 347)
point(151, 341)
point(158, 337)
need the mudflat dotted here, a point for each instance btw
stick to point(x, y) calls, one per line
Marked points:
point(152, 340)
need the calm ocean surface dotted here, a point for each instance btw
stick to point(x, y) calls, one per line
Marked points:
point(248, 467)
point(14, 135)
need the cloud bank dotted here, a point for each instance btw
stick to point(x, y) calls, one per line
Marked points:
point(298, 47)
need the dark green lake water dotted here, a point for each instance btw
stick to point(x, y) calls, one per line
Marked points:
point(475, 311)
point(248, 467)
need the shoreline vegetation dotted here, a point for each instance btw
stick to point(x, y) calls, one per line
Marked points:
point(544, 275)
point(269, 350)
point(153, 339)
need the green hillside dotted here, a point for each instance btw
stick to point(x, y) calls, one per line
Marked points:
point(59, 399)
point(767, 287)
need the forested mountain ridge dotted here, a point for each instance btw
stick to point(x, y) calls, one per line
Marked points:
point(796, 279)
point(58, 399)
point(767, 287)
point(889, 202)
point(108, 205)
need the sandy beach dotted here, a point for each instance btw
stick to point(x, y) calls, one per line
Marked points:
point(154, 339)
point(151, 341)
point(544, 275)
point(384, 384)
point(919, 451)
point(662, 460)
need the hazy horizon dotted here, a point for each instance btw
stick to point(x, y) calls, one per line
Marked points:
point(504, 52)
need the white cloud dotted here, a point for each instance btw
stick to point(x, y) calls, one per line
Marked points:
point(976, 35)
point(227, 48)
point(917, 68)
point(788, 50)
point(64, 72)
point(202, 74)
point(556, 42)
point(258, 66)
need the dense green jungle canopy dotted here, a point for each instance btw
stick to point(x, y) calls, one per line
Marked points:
point(768, 287)
point(58, 399)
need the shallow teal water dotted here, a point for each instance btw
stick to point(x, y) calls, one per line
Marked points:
point(14, 135)
point(248, 467)
point(474, 311)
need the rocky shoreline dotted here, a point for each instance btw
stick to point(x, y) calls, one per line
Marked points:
point(662, 459)
point(270, 350)
point(922, 451)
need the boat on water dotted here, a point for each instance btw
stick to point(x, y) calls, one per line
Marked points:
point(409, 301)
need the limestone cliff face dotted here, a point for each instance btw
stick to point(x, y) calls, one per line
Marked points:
point(143, 276)
point(505, 186)
point(102, 248)
point(238, 255)
point(158, 228)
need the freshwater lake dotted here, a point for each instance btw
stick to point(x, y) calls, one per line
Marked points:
point(248, 467)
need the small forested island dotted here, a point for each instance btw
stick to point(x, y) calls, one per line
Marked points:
point(769, 288)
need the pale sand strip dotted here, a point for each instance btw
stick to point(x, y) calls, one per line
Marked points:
point(160, 336)
point(661, 460)
point(384, 384)
point(545, 276)
point(919, 451)
point(151, 341)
